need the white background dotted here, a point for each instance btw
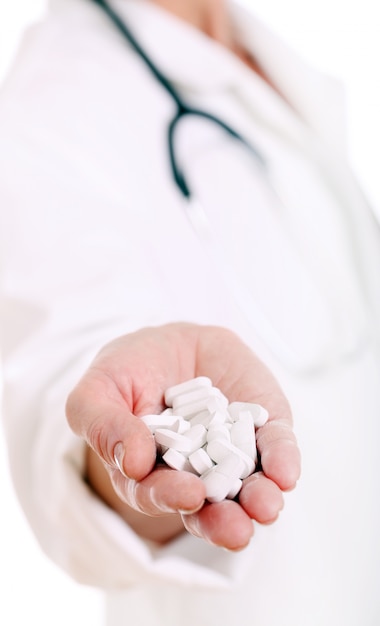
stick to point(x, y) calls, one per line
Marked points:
point(340, 37)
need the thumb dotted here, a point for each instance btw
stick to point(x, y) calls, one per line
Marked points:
point(119, 438)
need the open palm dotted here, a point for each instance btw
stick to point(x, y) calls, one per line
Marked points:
point(128, 378)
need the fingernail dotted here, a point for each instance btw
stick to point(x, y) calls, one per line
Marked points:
point(191, 511)
point(118, 455)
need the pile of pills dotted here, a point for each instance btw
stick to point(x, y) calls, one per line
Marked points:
point(201, 432)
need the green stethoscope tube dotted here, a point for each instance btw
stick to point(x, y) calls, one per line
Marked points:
point(183, 109)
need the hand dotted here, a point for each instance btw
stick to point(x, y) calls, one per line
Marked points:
point(127, 380)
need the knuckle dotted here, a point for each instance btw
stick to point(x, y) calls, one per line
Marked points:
point(275, 431)
point(98, 439)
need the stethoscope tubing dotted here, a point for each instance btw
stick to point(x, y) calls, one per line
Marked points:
point(198, 216)
point(183, 109)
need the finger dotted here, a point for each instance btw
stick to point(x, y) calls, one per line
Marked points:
point(223, 524)
point(261, 498)
point(120, 439)
point(163, 492)
point(280, 456)
point(247, 379)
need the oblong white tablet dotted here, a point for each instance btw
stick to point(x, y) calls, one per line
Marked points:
point(211, 404)
point(159, 421)
point(200, 461)
point(187, 385)
point(235, 489)
point(200, 393)
point(176, 460)
point(171, 439)
point(219, 449)
point(203, 417)
point(181, 426)
point(219, 431)
point(259, 414)
point(243, 434)
point(197, 436)
point(221, 478)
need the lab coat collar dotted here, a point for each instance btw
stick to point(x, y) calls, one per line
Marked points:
point(318, 98)
point(193, 61)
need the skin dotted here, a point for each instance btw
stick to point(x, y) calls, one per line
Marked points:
point(128, 379)
point(129, 376)
point(209, 16)
point(212, 18)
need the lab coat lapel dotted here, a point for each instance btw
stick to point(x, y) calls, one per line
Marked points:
point(317, 98)
point(195, 63)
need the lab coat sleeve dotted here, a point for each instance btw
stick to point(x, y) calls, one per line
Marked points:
point(74, 277)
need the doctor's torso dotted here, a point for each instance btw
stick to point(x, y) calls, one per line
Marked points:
point(287, 266)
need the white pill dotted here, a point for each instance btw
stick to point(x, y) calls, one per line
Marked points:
point(222, 403)
point(221, 478)
point(234, 489)
point(261, 417)
point(188, 385)
point(161, 449)
point(246, 417)
point(203, 417)
point(191, 409)
point(177, 460)
point(171, 439)
point(203, 433)
point(259, 414)
point(219, 431)
point(219, 449)
point(167, 411)
point(243, 434)
point(197, 394)
point(159, 421)
point(220, 417)
point(212, 404)
point(197, 435)
point(200, 461)
point(181, 426)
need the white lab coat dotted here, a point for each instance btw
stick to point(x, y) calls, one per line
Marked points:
point(95, 243)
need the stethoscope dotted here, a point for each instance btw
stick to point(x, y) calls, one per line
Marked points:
point(198, 217)
point(183, 111)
